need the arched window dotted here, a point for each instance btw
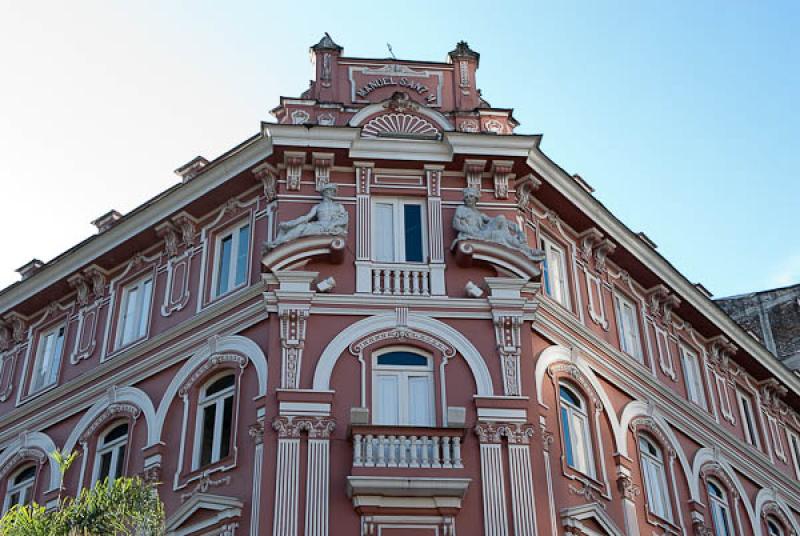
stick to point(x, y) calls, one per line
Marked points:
point(720, 509)
point(774, 527)
point(576, 432)
point(214, 421)
point(654, 475)
point(110, 459)
point(20, 487)
point(402, 389)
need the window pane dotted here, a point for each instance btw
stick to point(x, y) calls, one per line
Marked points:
point(384, 232)
point(220, 385)
point(227, 419)
point(207, 432)
point(570, 397)
point(116, 433)
point(568, 448)
point(420, 411)
point(55, 358)
point(387, 398)
point(403, 359)
point(144, 308)
point(580, 443)
point(105, 466)
point(242, 255)
point(224, 266)
point(129, 319)
point(412, 218)
point(120, 469)
point(548, 288)
point(27, 474)
point(556, 274)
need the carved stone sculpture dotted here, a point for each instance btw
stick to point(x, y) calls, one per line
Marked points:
point(472, 224)
point(326, 218)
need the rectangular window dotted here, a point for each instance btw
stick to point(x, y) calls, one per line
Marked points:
point(628, 327)
point(692, 377)
point(775, 432)
point(134, 311)
point(48, 359)
point(398, 231)
point(231, 265)
point(748, 419)
point(554, 272)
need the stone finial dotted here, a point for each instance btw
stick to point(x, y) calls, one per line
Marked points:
point(191, 169)
point(29, 268)
point(462, 50)
point(107, 221)
point(326, 43)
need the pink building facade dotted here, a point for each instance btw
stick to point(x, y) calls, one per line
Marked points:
point(386, 314)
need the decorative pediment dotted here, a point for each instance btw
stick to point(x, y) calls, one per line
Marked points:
point(588, 520)
point(205, 513)
point(400, 125)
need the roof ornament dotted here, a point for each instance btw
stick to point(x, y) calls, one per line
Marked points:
point(462, 50)
point(326, 43)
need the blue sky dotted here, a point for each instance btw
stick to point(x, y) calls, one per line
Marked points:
point(682, 115)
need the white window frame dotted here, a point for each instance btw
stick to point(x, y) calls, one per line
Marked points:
point(217, 399)
point(53, 360)
point(654, 476)
point(403, 373)
point(748, 418)
point(234, 232)
point(117, 447)
point(398, 230)
point(24, 488)
point(794, 447)
point(572, 416)
point(775, 433)
point(141, 308)
point(625, 345)
point(690, 361)
point(559, 287)
point(720, 508)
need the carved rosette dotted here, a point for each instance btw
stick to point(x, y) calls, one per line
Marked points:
point(494, 432)
point(292, 427)
point(507, 328)
point(293, 320)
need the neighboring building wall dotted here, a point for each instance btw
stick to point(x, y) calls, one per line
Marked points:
point(255, 386)
point(773, 316)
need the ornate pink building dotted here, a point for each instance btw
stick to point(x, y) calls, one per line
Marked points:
point(389, 314)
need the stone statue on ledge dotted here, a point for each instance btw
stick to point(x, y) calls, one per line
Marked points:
point(326, 218)
point(472, 224)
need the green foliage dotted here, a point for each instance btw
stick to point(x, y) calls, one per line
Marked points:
point(124, 507)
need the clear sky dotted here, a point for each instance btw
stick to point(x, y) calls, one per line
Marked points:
point(682, 115)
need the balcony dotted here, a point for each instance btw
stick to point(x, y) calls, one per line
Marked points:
point(411, 447)
point(401, 279)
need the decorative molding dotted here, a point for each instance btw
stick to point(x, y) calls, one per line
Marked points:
point(291, 427)
point(574, 373)
point(473, 172)
point(213, 362)
point(256, 432)
point(293, 321)
point(494, 432)
point(267, 175)
point(501, 172)
point(204, 484)
point(507, 327)
point(402, 333)
point(525, 187)
point(169, 232)
point(113, 411)
point(294, 162)
point(322, 168)
point(400, 125)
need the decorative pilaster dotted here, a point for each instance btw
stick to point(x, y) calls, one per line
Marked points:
point(363, 222)
point(628, 491)
point(318, 477)
point(256, 432)
point(507, 333)
point(293, 318)
point(294, 162)
point(322, 168)
point(286, 479)
point(435, 234)
point(493, 485)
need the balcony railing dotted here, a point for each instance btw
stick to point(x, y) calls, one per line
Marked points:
point(389, 446)
point(401, 279)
